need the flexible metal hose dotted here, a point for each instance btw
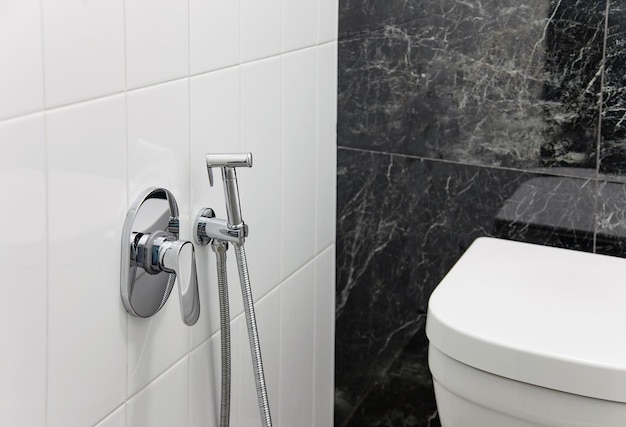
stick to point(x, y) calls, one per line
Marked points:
point(253, 335)
point(222, 284)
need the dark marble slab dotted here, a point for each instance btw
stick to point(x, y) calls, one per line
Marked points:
point(359, 16)
point(402, 223)
point(551, 210)
point(499, 83)
point(404, 397)
point(613, 146)
point(611, 218)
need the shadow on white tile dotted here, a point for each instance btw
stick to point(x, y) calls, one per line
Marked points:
point(21, 50)
point(214, 34)
point(300, 23)
point(299, 155)
point(326, 196)
point(261, 29)
point(83, 49)
point(87, 204)
point(297, 348)
point(157, 41)
point(324, 373)
point(165, 402)
point(23, 263)
point(260, 187)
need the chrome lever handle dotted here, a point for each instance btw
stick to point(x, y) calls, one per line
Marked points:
point(179, 257)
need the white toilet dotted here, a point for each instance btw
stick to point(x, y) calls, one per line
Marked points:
point(525, 335)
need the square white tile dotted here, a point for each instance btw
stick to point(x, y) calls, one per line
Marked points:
point(157, 41)
point(300, 24)
point(213, 34)
point(328, 20)
point(165, 402)
point(83, 49)
point(23, 306)
point(86, 205)
point(326, 197)
point(297, 348)
point(299, 158)
point(21, 56)
point(260, 186)
point(261, 29)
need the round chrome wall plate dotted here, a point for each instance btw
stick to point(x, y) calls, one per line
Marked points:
point(143, 293)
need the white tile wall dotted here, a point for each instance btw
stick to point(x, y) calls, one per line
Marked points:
point(261, 29)
point(157, 41)
point(24, 300)
point(83, 49)
point(101, 100)
point(214, 30)
point(297, 330)
point(299, 175)
point(86, 200)
point(21, 73)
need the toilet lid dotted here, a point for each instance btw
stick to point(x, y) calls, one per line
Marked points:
point(546, 316)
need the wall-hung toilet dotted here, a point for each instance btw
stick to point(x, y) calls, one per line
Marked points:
point(525, 335)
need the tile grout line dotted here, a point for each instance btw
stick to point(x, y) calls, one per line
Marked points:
point(46, 173)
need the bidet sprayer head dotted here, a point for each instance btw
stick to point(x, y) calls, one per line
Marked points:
point(228, 162)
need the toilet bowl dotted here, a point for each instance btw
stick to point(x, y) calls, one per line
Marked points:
point(526, 335)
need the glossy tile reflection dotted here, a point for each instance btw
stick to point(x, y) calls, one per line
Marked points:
point(510, 83)
point(458, 120)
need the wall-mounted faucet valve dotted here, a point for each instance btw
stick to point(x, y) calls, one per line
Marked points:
point(150, 246)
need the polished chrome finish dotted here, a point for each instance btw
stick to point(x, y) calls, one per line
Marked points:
point(228, 163)
point(199, 224)
point(227, 160)
point(179, 257)
point(150, 246)
point(233, 229)
point(209, 228)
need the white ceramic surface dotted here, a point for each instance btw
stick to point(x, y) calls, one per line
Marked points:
point(21, 56)
point(296, 391)
point(157, 41)
point(83, 49)
point(261, 134)
point(165, 402)
point(213, 34)
point(86, 157)
point(261, 29)
point(116, 419)
point(300, 24)
point(326, 192)
point(23, 307)
point(545, 316)
point(299, 179)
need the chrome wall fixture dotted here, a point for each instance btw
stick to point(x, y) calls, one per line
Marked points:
point(154, 258)
point(233, 229)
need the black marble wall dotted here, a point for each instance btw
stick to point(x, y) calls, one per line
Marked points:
point(457, 120)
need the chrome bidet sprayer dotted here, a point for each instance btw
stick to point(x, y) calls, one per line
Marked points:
point(234, 230)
